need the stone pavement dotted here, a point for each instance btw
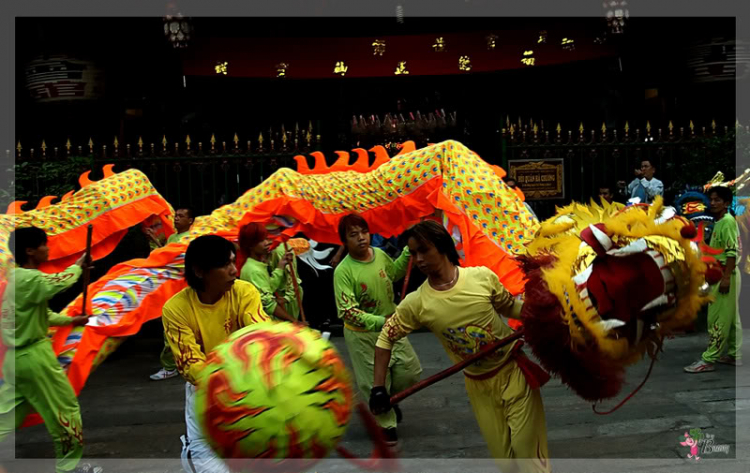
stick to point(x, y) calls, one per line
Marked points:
point(126, 416)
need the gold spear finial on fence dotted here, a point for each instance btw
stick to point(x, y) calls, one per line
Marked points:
point(188, 141)
point(164, 141)
point(91, 145)
point(580, 128)
point(213, 141)
point(44, 148)
point(116, 143)
point(18, 147)
point(559, 128)
point(692, 127)
point(236, 140)
point(512, 129)
point(67, 145)
point(627, 127)
point(670, 126)
point(648, 127)
point(536, 128)
point(713, 125)
point(260, 138)
point(604, 128)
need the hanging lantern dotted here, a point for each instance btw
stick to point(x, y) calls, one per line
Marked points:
point(178, 30)
point(617, 14)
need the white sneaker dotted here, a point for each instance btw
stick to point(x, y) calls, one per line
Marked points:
point(699, 366)
point(163, 374)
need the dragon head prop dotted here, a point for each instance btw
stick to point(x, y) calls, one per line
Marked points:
point(606, 286)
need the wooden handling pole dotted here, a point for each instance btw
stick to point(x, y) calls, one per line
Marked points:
point(86, 270)
point(406, 278)
point(395, 399)
point(296, 285)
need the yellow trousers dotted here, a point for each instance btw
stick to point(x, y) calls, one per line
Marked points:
point(511, 417)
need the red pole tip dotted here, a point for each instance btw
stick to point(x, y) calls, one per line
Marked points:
point(713, 275)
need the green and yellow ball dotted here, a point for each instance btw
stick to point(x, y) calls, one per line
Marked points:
point(273, 391)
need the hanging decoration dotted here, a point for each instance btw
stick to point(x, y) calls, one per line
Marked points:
point(401, 69)
point(491, 42)
point(177, 30)
point(542, 37)
point(568, 44)
point(222, 68)
point(281, 69)
point(617, 14)
point(439, 45)
point(400, 14)
point(340, 68)
point(378, 47)
point(464, 63)
point(528, 58)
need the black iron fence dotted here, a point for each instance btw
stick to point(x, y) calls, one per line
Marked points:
point(206, 176)
point(592, 158)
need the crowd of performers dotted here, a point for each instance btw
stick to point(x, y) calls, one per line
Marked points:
point(455, 303)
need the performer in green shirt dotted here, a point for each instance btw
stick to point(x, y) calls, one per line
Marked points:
point(724, 325)
point(270, 278)
point(33, 378)
point(363, 286)
point(183, 220)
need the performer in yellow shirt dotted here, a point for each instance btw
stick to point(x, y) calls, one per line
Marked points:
point(461, 306)
point(201, 316)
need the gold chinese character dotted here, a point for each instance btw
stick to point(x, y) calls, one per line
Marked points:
point(281, 69)
point(567, 44)
point(378, 47)
point(542, 37)
point(221, 68)
point(401, 68)
point(491, 41)
point(528, 58)
point(341, 68)
point(439, 45)
point(464, 63)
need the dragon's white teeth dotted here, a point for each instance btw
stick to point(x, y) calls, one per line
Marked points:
point(609, 324)
point(583, 276)
point(661, 300)
point(601, 237)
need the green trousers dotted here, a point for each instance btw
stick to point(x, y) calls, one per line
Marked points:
point(403, 371)
point(167, 357)
point(36, 382)
point(724, 325)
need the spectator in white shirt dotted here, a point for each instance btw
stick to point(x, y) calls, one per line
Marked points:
point(645, 186)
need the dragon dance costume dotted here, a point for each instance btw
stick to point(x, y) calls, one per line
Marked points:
point(364, 297)
point(193, 329)
point(34, 380)
point(503, 387)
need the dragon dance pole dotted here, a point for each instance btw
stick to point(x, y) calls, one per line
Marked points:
point(492, 347)
point(296, 285)
point(406, 278)
point(86, 268)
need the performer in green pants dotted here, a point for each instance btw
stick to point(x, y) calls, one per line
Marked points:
point(724, 326)
point(33, 377)
point(363, 286)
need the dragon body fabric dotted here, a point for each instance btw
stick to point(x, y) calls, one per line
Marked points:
point(487, 219)
point(572, 318)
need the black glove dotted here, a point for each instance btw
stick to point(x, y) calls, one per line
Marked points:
point(380, 401)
